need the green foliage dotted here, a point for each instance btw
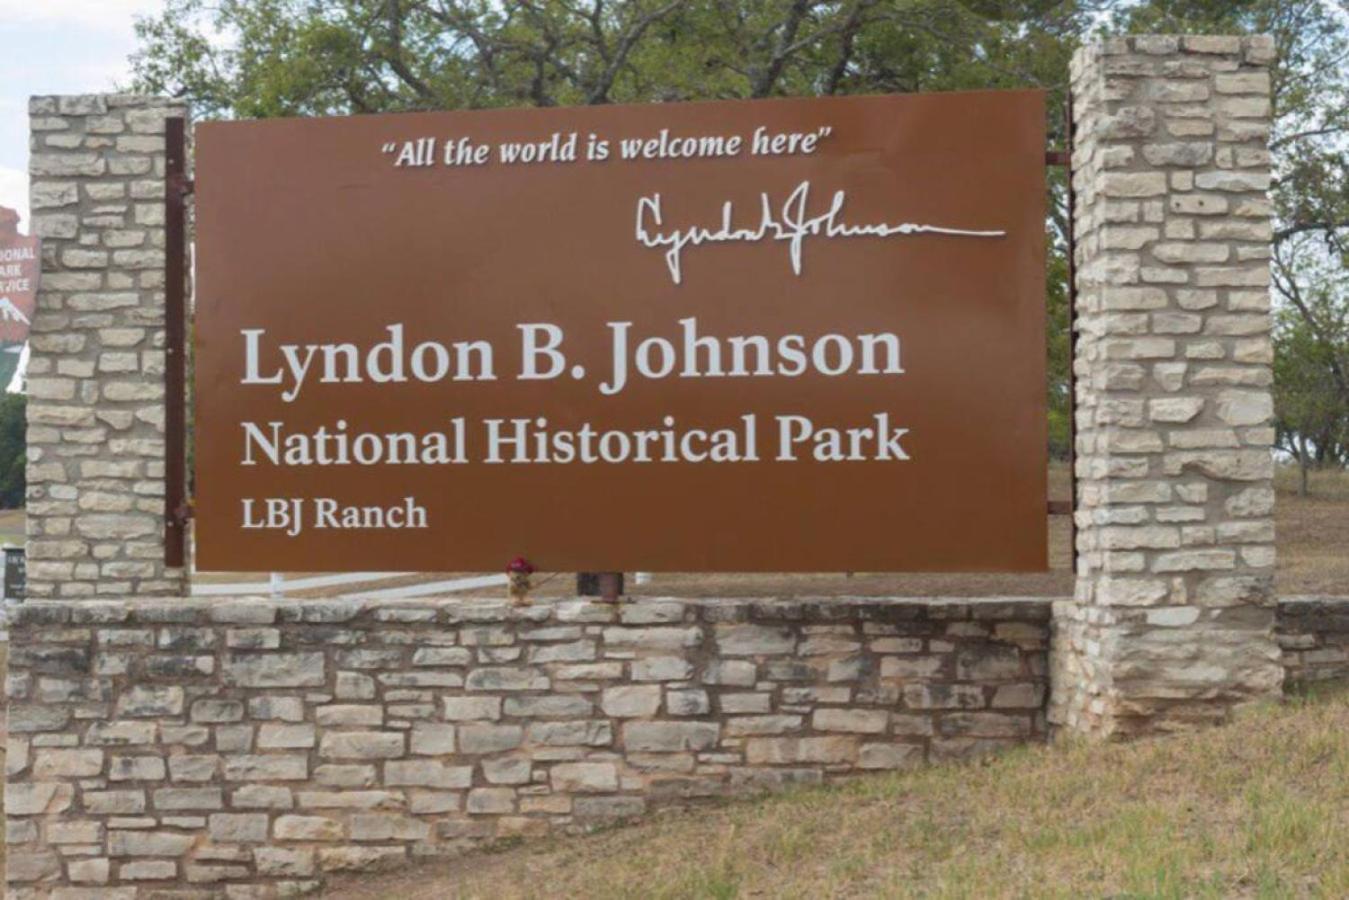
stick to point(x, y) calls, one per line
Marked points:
point(13, 424)
point(1304, 390)
point(1311, 359)
point(298, 57)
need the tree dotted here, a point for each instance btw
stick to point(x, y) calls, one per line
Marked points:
point(1313, 418)
point(258, 58)
point(299, 57)
point(13, 425)
point(294, 57)
point(1311, 357)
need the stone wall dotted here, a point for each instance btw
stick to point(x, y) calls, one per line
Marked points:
point(265, 744)
point(1314, 635)
point(246, 748)
point(96, 370)
point(1172, 622)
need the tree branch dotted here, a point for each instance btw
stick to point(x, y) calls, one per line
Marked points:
point(600, 91)
point(851, 27)
point(765, 81)
point(1297, 228)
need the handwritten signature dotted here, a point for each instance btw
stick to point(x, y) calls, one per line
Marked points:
point(792, 224)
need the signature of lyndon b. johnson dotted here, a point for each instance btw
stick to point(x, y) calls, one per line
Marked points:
point(792, 224)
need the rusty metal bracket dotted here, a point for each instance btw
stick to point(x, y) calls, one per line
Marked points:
point(178, 183)
point(178, 187)
point(611, 585)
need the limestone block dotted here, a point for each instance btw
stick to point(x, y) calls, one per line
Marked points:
point(362, 745)
point(584, 777)
point(862, 721)
point(668, 737)
point(463, 708)
point(631, 701)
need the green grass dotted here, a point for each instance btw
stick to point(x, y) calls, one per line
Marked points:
point(1256, 809)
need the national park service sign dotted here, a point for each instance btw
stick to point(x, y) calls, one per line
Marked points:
point(20, 266)
point(771, 335)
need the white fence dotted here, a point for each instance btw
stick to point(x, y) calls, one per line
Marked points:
point(278, 585)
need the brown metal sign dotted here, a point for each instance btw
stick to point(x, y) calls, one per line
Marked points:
point(19, 271)
point(774, 335)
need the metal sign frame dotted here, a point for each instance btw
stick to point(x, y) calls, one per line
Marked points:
point(178, 504)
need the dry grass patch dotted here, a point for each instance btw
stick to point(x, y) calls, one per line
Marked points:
point(12, 526)
point(1312, 533)
point(1256, 809)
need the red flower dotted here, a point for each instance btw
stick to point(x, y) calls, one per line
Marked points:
point(520, 566)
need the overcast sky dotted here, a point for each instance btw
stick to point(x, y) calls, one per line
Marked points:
point(56, 47)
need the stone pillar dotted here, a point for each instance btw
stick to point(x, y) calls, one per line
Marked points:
point(1172, 621)
point(96, 366)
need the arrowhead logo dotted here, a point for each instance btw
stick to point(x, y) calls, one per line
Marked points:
point(11, 313)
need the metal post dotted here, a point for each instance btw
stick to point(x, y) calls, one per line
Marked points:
point(177, 188)
point(1072, 332)
point(1064, 158)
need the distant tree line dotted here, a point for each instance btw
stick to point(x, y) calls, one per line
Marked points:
point(263, 58)
point(1311, 361)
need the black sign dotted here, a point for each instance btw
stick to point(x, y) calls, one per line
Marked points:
point(16, 574)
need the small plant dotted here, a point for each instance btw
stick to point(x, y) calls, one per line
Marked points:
point(518, 572)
